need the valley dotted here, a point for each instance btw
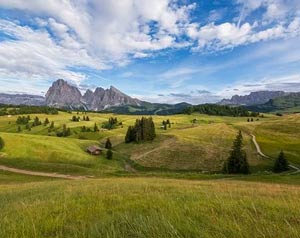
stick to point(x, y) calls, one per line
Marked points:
point(182, 165)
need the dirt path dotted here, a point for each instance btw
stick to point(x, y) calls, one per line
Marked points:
point(42, 174)
point(163, 145)
point(265, 156)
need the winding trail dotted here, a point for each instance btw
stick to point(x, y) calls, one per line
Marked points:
point(42, 174)
point(292, 166)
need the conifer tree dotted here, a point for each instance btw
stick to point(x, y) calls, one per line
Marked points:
point(108, 144)
point(281, 163)
point(19, 129)
point(109, 154)
point(2, 144)
point(237, 161)
point(46, 122)
point(51, 125)
point(96, 128)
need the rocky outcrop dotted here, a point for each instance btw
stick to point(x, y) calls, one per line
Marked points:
point(104, 98)
point(253, 98)
point(61, 94)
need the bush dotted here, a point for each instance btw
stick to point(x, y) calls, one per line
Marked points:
point(1, 143)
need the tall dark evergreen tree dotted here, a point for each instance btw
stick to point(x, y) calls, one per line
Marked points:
point(52, 125)
point(109, 154)
point(2, 143)
point(281, 164)
point(108, 144)
point(96, 129)
point(237, 161)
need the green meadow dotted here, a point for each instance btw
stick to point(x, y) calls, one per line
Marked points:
point(170, 187)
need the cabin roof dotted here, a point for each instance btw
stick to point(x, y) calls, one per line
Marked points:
point(94, 148)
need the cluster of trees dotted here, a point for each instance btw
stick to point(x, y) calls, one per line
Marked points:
point(220, 110)
point(166, 124)
point(87, 129)
point(65, 132)
point(251, 119)
point(75, 118)
point(237, 161)
point(23, 120)
point(23, 109)
point(111, 123)
point(86, 118)
point(36, 122)
point(143, 130)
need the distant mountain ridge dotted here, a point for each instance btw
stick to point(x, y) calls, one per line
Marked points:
point(254, 98)
point(288, 103)
point(22, 99)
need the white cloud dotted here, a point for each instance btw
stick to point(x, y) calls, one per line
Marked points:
point(100, 34)
point(287, 83)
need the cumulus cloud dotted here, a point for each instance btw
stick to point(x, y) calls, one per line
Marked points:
point(61, 36)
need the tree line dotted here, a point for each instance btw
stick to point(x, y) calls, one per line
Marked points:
point(220, 110)
point(23, 109)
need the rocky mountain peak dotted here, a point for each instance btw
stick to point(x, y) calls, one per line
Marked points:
point(62, 94)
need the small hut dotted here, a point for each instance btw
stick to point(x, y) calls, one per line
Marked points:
point(94, 150)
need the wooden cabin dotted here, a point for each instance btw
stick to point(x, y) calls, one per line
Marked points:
point(94, 150)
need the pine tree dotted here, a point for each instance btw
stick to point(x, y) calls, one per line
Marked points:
point(281, 163)
point(19, 129)
point(51, 125)
point(2, 144)
point(46, 122)
point(109, 154)
point(128, 137)
point(108, 144)
point(87, 118)
point(96, 128)
point(237, 161)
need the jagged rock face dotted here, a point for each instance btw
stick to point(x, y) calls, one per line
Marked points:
point(105, 98)
point(253, 98)
point(62, 94)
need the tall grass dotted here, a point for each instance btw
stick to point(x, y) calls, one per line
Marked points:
point(149, 208)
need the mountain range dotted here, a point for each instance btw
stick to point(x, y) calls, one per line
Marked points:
point(254, 98)
point(64, 95)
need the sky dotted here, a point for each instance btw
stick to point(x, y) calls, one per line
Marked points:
point(165, 51)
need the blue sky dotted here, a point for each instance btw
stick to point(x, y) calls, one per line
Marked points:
point(159, 50)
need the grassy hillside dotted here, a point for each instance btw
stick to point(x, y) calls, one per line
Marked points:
point(164, 188)
point(202, 145)
point(277, 133)
point(149, 208)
